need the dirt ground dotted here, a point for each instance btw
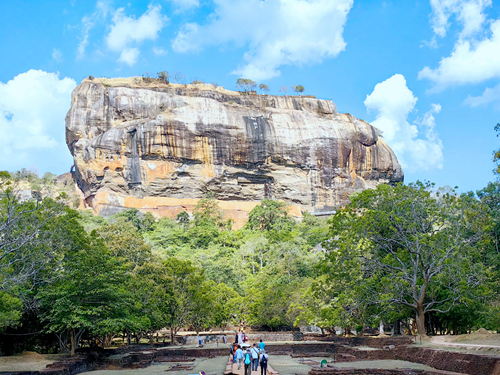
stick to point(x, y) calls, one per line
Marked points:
point(479, 342)
point(28, 361)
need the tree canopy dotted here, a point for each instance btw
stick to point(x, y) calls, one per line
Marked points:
point(393, 254)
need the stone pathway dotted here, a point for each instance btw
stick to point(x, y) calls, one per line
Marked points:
point(440, 340)
point(232, 369)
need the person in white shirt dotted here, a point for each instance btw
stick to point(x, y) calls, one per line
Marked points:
point(264, 358)
point(255, 357)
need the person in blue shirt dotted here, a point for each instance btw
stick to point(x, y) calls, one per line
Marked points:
point(261, 345)
point(238, 356)
point(248, 362)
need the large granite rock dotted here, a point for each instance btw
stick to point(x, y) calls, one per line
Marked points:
point(160, 148)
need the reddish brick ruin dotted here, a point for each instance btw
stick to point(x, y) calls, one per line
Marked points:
point(338, 349)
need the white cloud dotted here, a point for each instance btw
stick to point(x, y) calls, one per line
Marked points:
point(470, 62)
point(475, 57)
point(88, 23)
point(158, 51)
point(469, 13)
point(33, 107)
point(129, 30)
point(185, 4)
point(393, 101)
point(489, 96)
point(129, 56)
point(276, 32)
point(57, 55)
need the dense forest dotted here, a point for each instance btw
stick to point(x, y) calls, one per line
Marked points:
point(398, 253)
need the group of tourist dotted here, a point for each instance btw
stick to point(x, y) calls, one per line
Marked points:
point(250, 357)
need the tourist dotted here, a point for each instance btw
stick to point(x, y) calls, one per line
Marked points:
point(245, 338)
point(240, 338)
point(255, 357)
point(232, 352)
point(263, 362)
point(261, 345)
point(248, 362)
point(224, 339)
point(238, 357)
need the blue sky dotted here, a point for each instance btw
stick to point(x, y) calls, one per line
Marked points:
point(427, 73)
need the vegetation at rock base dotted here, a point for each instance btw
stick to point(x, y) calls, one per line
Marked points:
point(395, 253)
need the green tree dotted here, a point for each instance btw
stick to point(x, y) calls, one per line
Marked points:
point(224, 302)
point(181, 282)
point(183, 218)
point(88, 294)
point(269, 215)
point(415, 242)
point(246, 84)
point(264, 88)
point(299, 89)
point(10, 309)
point(163, 77)
point(496, 153)
point(23, 240)
point(123, 239)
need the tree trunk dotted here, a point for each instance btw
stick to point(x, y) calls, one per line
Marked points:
point(397, 328)
point(421, 321)
point(172, 336)
point(72, 340)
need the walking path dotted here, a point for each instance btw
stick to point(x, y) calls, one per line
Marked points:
point(232, 369)
point(441, 340)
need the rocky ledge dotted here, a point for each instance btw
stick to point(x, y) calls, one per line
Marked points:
point(160, 148)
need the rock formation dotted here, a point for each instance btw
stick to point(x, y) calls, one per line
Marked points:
point(161, 148)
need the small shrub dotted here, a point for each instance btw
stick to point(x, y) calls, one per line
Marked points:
point(163, 77)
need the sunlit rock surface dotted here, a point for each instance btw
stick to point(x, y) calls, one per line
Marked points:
point(161, 148)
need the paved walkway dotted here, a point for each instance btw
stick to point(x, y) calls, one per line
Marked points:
point(440, 340)
point(232, 369)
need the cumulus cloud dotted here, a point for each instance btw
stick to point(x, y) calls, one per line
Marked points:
point(470, 62)
point(417, 145)
point(33, 107)
point(475, 56)
point(489, 96)
point(129, 30)
point(469, 13)
point(275, 32)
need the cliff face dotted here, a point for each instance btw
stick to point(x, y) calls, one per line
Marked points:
point(161, 148)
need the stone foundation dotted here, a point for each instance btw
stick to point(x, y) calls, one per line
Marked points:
point(445, 363)
point(353, 371)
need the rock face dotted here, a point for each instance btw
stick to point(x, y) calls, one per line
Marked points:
point(161, 148)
